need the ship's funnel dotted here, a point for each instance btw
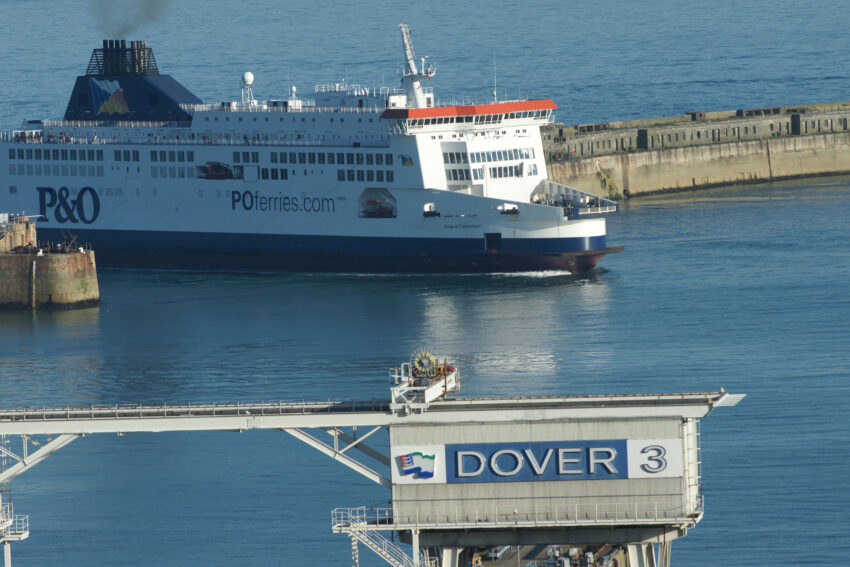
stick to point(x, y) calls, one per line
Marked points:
point(116, 59)
point(123, 83)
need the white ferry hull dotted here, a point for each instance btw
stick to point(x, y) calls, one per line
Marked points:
point(234, 225)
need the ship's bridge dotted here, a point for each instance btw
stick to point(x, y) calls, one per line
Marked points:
point(472, 116)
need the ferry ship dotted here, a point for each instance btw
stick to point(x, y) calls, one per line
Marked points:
point(353, 180)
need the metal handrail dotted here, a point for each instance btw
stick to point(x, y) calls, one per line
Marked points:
point(354, 520)
point(190, 410)
point(20, 526)
point(596, 210)
point(15, 528)
point(305, 107)
point(362, 516)
point(384, 547)
point(555, 513)
point(202, 141)
point(6, 517)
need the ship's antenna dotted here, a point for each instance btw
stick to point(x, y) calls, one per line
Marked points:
point(495, 98)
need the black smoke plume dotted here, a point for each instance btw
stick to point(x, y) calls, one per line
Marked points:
point(120, 18)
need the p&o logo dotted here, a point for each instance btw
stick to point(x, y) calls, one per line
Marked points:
point(84, 207)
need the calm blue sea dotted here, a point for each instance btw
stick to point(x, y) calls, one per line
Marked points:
point(742, 288)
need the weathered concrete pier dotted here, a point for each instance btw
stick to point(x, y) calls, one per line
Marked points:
point(49, 277)
point(699, 150)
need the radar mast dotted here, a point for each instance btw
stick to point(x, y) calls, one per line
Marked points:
point(413, 75)
point(248, 89)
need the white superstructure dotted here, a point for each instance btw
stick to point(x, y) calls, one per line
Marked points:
point(354, 179)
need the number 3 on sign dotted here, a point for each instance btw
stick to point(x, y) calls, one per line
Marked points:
point(655, 458)
point(655, 455)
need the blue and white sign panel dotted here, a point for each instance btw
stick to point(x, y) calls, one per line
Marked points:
point(537, 461)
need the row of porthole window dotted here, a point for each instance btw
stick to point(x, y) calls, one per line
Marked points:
point(172, 171)
point(379, 175)
point(63, 170)
point(458, 175)
point(167, 155)
point(350, 158)
point(369, 175)
point(227, 119)
point(495, 172)
point(56, 155)
point(502, 155)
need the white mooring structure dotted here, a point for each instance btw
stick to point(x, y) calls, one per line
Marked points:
point(463, 472)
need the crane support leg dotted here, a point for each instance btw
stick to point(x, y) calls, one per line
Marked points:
point(27, 461)
point(339, 456)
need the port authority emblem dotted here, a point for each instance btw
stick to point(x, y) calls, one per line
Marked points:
point(418, 464)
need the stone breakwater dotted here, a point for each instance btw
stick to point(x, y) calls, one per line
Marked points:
point(699, 150)
point(32, 278)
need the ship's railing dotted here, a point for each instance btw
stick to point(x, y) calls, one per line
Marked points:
point(597, 210)
point(304, 107)
point(203, 140)
point(117, 124)
point(356, 89)
point(575, 202)
point(554, 513)
point(22, 136)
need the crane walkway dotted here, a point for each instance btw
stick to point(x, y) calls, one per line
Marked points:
point(340, 413)
point(64, 425)
point(170, 417)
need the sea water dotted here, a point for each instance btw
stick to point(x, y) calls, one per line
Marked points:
point(743, 288)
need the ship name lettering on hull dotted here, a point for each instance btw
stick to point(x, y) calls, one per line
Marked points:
point(280, 203)
point(58, 205)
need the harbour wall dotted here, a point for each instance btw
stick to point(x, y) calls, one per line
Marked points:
point(32, 279)
point(699, 150)
point(632, 174)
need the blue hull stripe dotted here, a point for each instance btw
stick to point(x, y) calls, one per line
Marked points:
point(331, 253)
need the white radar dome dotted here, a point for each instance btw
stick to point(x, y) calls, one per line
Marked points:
point(247, 78)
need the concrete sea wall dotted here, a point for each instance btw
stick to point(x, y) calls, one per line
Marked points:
point(631, 174)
